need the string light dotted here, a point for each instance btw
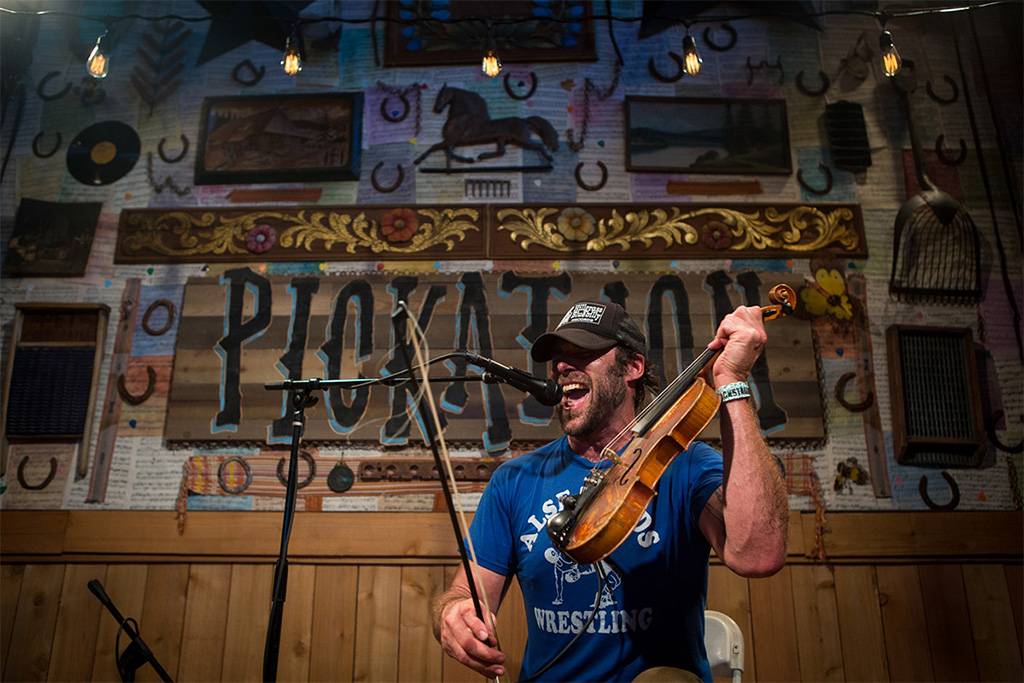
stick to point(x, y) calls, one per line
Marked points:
point(98, 62)
point(292, 58)
point(891, 60)
point(691, 58)
point(491, 64)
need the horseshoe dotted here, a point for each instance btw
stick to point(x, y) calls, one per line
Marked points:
point(184, 150)
point(382, 188)
point(720, 48)
point(825, 84)
point(257, 74)
point(814, 190)
point(944, 100)
point(394, 119)
point(312, 470)
point(222, 470)
point(55, 96)
point(990, 427)
point(954, 500)
point(131, 398)
point(852, 407)
point(45, 155)
point(596, 186)
point(947, 160)
point(46, 481)
point(529, 93)
point(159, 303)
point(667, 79)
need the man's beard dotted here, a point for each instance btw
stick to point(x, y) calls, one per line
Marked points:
point(606, 394)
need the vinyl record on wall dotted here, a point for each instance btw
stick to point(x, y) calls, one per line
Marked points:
point(103, 153)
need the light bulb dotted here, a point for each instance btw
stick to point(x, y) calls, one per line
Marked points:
point(891, 61)
point(491, 64)
point(291, 60)
point(691, 56)
point(98, 63)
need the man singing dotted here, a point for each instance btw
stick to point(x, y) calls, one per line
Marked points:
point(650, 610)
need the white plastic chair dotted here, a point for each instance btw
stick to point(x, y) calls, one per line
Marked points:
point(723, 641)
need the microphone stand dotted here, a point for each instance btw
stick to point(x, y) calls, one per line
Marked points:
point(301, 397)
point(136, 654)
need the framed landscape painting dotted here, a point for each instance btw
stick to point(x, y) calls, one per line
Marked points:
point(707, 135)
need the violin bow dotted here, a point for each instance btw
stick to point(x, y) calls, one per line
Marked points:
point(442, 458)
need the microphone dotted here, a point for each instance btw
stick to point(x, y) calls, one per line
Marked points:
point(546, 391)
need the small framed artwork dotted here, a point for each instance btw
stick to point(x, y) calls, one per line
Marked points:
point(707, 135)
point(458, 32)
point(51, 239)
point(280, 138)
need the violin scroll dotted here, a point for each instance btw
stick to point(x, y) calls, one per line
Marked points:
point(784, 299)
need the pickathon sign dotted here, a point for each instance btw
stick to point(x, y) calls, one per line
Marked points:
point(243, 329)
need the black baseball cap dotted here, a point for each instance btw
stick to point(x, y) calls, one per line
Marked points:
point(592, 325)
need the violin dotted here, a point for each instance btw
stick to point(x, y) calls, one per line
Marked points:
point(595, 522)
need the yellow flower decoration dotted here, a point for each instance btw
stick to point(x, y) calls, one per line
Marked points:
point(576, 224)
point(829, 297)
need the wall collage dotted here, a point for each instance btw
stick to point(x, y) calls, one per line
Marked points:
point(199, 224)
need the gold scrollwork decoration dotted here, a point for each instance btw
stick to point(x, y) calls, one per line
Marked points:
point(449, 227)
point(800, 229)
point(179, 233)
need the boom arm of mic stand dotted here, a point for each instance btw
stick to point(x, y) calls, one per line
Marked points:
point(142, 653)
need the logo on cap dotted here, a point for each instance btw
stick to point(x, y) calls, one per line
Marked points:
point(590, 314)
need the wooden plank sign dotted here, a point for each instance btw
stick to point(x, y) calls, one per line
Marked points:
point(245, 329)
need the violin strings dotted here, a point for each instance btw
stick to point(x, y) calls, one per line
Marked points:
point(418, 341)
point(655, 403)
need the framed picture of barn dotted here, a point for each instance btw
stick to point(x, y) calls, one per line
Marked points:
point(279, 138)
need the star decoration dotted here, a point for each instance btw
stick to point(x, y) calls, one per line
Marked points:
point(234, 24)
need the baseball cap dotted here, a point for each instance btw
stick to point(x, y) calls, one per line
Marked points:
point(592, 325)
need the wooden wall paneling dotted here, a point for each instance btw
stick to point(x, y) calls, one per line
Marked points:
point(1015, 584)
point(995, 634)
point(248, 617)
point(419, 655)
point(163, 617)
point(817, 623)
point(297, 623)
point(453, 671)
point(377, 619)
point(947, 622)
point(903, 618)
point(35, 622)
point(860, 623)
point(332, 648)
point(512, 630)
point(729, 593)
point(126, 586)
point(10, 588)
point(774, 621)
point(206, 616)
point(75, 636)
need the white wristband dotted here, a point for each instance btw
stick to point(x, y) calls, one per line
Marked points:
point(734, 391)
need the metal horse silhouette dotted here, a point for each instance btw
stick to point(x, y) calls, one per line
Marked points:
point(469, 124)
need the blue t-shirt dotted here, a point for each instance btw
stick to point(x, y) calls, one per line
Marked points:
point(651, 610)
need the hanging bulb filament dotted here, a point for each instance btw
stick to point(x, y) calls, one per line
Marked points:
point(292, 59)
point(691, 58)
point(98, 62)
point(891, 60)
point(491, 64)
